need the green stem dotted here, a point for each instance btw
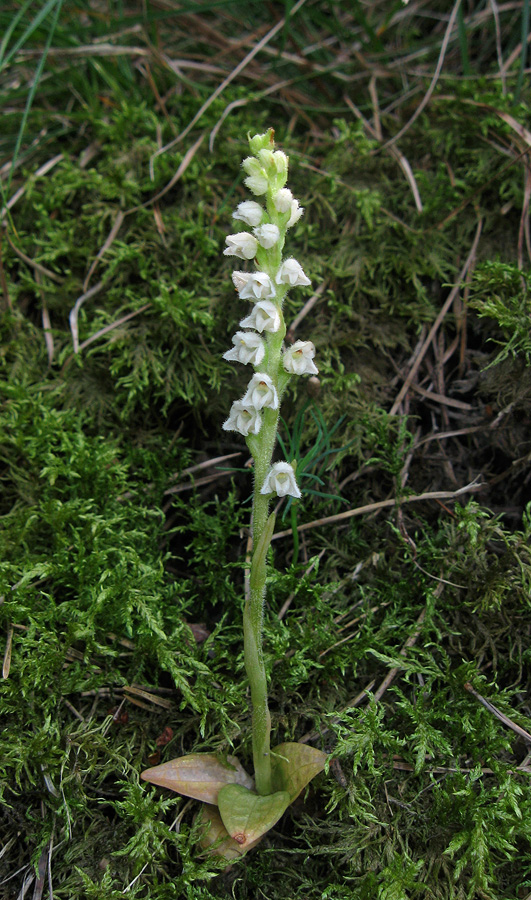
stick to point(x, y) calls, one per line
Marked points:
point(253, 615)
point(262, 447)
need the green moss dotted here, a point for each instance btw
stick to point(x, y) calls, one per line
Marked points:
point(108, 577)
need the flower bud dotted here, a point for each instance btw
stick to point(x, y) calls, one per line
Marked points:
point(264, 317)
point(281, 162)
point(298, 359)
point(243, 418)
point(252, 166)
point(281, 480)
point(282, 200)
point(267, 235)
point(261, 392)
point(243, 245)
point(249, 212)
point(262, 141)
point(257, 184)
point(257, 181)
point(267, 159)
point(291, 273)
point(248, 347)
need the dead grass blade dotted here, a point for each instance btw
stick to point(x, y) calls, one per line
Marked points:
point(394, 152)
point(470, 260)
point(521, 732)
point(74, 312)
point(113, 325)
point(43, 170)
point(110, 239)
point(7, 654)
point(426, 99)
point(221, 87)
point(189, 155)
point(34, 265)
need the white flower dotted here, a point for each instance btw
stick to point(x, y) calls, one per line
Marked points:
point(248, 347)
point(243, 418)
point(298, 359)
point(282, 200)
point(291, 273)
point(258, 286)
point(264, 317)
point(243, 245)
point(257, 184)
point(240, 279)
point(249, 212)
point(267, 235)
point(281, 480)
point(296, 213)
point(261, 392)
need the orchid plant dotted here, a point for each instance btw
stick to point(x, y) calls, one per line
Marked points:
point(240, 809)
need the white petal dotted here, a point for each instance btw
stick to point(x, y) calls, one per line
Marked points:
point(243, 418)
point(248, 348)
point(296, 213)
point(257, 184)
point(258, 287)
point(240, 279)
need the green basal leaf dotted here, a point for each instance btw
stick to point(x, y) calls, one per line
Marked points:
point(294, 765)
point(248, 816)
point(199, 775)
point(216, 840)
